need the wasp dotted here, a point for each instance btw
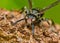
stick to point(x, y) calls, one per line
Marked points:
point(34, 16)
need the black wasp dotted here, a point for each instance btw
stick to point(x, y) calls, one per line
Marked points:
point(35, 15)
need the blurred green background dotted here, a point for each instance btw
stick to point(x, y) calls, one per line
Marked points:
point(53, 13)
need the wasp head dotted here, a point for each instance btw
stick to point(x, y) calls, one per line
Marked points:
point(33, 15)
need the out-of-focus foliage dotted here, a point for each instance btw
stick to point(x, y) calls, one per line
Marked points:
point(53, 13)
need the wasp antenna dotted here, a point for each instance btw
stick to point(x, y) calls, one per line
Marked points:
point(30, 4)
point(50, 6)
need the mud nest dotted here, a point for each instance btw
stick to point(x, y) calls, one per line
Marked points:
point(9, 33)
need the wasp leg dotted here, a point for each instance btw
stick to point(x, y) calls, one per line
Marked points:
point(47, 20)
point(32, 28)
point(14, 23)
point(50, 22)
point(53, 23)
point(47, 23)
